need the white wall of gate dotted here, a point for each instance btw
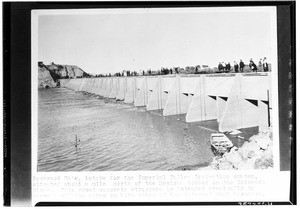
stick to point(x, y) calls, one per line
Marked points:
point(235, 100)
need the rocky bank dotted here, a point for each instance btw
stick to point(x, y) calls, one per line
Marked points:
point(48, 75)
point(257, 153)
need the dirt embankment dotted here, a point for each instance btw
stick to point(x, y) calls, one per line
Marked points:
point(48, 75)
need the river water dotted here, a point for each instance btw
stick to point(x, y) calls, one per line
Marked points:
point(113, 136)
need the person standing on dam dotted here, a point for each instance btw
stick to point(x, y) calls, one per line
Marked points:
point(242, 65)
point(260, 65)
point(236, 67)
point(220, 67)
point(252, 66)
point(228, 67)
point(265, 65)
point(223, 66)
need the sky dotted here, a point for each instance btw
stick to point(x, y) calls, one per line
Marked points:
point(109, 41)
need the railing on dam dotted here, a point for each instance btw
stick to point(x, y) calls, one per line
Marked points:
point(235, 100)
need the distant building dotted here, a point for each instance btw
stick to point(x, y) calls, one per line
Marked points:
point(205, 67)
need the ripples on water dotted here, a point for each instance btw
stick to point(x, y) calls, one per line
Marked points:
point(113, 136)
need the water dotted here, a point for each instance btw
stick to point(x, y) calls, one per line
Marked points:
point(114, 136)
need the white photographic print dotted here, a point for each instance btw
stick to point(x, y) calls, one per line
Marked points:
point(156, 104)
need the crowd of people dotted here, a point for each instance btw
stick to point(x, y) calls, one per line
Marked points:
point(262, 64)
point(222, 68)
point(162, 71)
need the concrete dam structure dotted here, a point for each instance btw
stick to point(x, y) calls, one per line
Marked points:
point(236, 101)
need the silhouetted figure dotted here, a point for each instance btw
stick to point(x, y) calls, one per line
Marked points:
point(236, 67)
point(197, 69)
point(242, 65)
point(220, 67)
point(265, 65)
point(260, 65)
point(228, 67)
point(252, 66)
point(223, 66)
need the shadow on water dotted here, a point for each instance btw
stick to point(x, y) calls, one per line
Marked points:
point(240, 139)
point(192, 167)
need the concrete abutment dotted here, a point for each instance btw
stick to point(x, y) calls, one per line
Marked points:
point(236, 101)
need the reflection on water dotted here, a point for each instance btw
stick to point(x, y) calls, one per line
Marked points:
point(113, 136)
